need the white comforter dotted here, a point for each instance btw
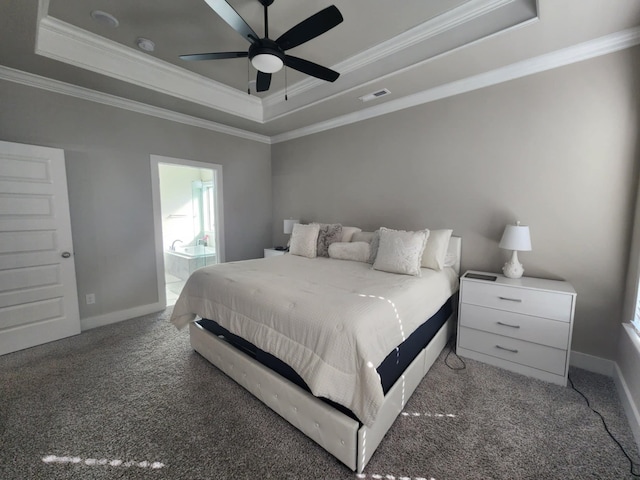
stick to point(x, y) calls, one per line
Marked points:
point(332, 321)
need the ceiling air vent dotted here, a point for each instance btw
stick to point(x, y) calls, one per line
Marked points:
point(374, 95)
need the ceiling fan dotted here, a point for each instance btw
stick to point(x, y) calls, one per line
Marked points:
point(267, 55)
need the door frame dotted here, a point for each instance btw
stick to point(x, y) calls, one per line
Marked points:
point(156, 160)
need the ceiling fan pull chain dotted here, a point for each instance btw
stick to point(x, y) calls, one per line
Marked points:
point(248, 77)
point(285, 83)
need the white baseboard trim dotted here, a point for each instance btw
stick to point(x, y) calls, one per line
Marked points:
point(114, 317)
point(633, 416)
point(592, 363)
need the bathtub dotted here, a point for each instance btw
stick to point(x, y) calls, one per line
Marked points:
point(184, 260)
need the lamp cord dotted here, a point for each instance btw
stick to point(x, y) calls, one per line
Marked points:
point(450, 344)
point(631, 462)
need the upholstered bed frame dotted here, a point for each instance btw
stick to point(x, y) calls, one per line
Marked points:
point(342, 436)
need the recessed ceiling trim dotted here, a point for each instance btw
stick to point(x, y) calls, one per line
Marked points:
point(409, 59)
point(56, 86)
point(59, 40)
point(67, 43)
point(435, 26)
point(559, 58)
point(566, 56)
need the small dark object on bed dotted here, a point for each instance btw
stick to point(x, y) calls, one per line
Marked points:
point(279, 248)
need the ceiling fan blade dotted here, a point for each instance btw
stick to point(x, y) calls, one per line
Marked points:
point(310, 68)
point(233, 18)
point(214, 56)
point(263, 81)
point(310, 28)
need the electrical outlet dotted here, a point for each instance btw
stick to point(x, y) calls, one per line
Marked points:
point(91, 298)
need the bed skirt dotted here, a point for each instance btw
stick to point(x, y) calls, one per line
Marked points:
point(342, 436)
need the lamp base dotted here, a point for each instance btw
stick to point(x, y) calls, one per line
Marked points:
point(513, 268)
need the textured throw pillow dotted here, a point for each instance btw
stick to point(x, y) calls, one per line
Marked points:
point(347, 233)
point(329, 233)
point(355, 251)
point(304, 240)
point(375, 242)
point(400, 251)
point(435, 251)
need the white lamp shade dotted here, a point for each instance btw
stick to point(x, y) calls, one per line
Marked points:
point(288, 225)
point(516, 237)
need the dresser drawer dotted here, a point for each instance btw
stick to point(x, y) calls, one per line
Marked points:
point(515, 325)
point(539, 303)
point(513, 350)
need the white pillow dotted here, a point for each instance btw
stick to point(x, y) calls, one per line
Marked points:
point(435, 251)
point(400, 251)
point(304, 240)
point(347, 233)
point(355, 251)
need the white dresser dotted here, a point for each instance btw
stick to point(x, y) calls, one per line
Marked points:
point(523, 325)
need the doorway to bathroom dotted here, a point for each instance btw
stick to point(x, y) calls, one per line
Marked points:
point(188, 220)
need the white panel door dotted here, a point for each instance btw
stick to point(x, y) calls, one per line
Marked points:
point(38, 295)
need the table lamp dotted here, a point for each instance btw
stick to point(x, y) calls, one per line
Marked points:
point(515, 237)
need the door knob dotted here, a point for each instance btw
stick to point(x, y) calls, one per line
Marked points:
point(66, 254)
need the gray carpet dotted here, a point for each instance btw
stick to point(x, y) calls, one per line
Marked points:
point(132, 400)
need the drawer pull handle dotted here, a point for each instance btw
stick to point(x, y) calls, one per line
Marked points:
point(512, 350)
point(507, 325)
point(518, 300)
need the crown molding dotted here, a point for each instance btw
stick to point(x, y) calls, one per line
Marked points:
point(64, 42)
point(583, 51)
point(56, 86)
point(429, 29)
point(559, 58)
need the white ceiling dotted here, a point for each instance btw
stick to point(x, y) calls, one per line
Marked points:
point(419, 50)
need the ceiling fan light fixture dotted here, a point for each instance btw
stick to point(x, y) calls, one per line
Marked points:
point(267, 63)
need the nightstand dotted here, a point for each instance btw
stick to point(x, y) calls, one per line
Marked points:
point(523, 325)
point(272, 252)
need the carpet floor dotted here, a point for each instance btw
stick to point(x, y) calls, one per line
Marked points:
point(133, 400)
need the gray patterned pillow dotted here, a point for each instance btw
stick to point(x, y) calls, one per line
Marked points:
point(375, 243)
point(329, 233)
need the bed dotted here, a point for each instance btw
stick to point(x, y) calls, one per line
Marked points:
point(333, 346)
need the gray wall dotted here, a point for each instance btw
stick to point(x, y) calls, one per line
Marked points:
point(555, 150)
point(109, 175)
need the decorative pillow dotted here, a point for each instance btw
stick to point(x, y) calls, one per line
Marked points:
point(329, 233)
point(304, 240)
point(362, 237)
point(400, 251)
point(375, 242)
point(347, 233)
point(435, 251)
point(355, 251)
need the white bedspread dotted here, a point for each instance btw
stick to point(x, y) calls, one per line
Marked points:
point(332, 321)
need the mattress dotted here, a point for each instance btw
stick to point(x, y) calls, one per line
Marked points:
point(332, 321)
point(389, 370)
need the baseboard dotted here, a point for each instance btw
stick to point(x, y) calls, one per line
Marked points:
point(633, 416)
point(119, 316)
point(592, 363)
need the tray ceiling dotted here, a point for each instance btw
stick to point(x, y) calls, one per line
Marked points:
point(411, 48)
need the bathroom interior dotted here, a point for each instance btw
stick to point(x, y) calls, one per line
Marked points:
point(187, 199)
